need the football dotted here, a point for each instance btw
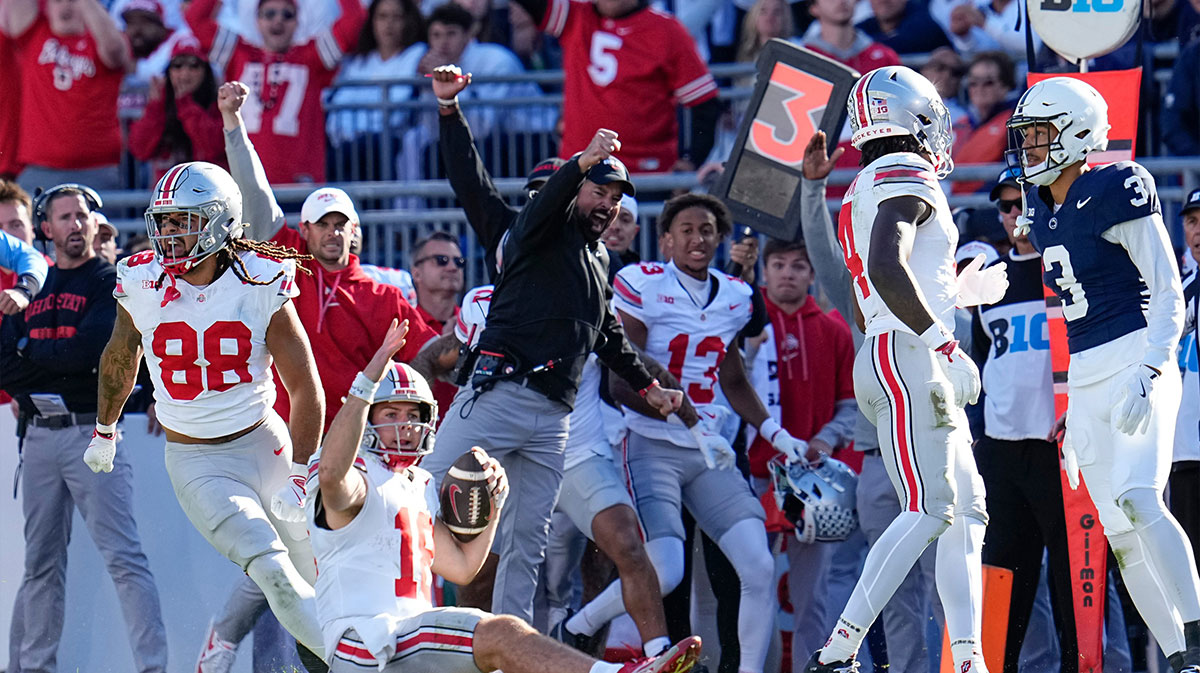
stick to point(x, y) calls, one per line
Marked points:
point(466, 505)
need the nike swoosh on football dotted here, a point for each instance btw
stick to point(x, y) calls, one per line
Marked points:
point(279, 451)
point(1081, 204)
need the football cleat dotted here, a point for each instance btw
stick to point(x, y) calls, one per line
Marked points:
point(217, 655)
point(562, 634)
point(814, 665)
point(679, 658)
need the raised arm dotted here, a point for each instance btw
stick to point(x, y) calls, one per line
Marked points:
point(817, 227)
point(111, 44)
point(201, 17)
point(16, 16)
point(260, 210)
point(347, 27)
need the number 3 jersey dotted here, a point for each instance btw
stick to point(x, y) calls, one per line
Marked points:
point(378, 569)
point(932, 256)
point(207, 349)
point(689, 338)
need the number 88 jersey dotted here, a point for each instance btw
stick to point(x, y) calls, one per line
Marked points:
point(691, 340)
point(207, 349)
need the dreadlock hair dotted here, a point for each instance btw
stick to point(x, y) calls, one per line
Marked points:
point(227, 258)
point(873, 149)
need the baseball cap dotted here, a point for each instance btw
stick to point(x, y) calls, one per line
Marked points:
point(630, 204)
point(1008, 178)
point(612, 170)
point(152, 7)
point(103, 223)
point(542, 172)
point(972, 249)
point(188, 45)
point(327, 200)
point(1192, 202)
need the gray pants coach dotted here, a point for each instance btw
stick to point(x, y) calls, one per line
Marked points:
point(55, 480)
point(526, 432)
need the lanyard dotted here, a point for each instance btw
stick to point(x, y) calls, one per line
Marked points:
point(327, 296)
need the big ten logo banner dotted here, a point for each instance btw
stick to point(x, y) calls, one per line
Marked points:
point(1083, 29)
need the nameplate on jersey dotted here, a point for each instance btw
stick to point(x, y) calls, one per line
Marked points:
point(797, 93)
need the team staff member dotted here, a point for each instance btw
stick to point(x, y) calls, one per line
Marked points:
point(437, 271)
point(1019, 467)
point(48, 362)
point(550, 310)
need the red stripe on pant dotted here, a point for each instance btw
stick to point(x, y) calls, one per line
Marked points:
point(900, 419)
point(435, 638)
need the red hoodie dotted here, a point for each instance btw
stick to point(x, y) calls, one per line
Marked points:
point(814, 363)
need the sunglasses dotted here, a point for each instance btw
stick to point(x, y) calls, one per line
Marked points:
point(271, 14)
point(975, 83)
point(1006, 205)
point(443, 260)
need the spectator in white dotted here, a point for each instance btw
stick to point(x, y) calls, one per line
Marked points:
point(983, 25)
point(105, 242)
point(619, 236)
point(392, 27)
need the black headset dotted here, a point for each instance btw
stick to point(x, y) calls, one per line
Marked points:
point(41, 200)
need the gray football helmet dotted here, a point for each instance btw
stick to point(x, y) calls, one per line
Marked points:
point(818, 499)
point(213, 204)
point(898, 101)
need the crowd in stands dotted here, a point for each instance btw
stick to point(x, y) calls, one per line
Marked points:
point(321, 106)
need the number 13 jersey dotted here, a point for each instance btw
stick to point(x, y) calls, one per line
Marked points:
point(690, 339)
point(207, 349)
point(932, 256)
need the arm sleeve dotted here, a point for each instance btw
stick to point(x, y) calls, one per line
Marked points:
point(616, 353)
point(145, 134)
point(1145, 239)
point(1180, 117)
point(333, 44)
point(839, 431)
point(23, 260)
point(204, 128)
point(201, 18)
point(486, 210)
point(824, 251)
point(80, 352)
point(981, 341)
point(690, 79)
point(259, 208)
point(543, 215)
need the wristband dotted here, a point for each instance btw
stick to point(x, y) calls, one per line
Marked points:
point(364, 388)
point(106, 430)
point(447, 102)
point(936, 336)
point(645, 390)
point(769, 429)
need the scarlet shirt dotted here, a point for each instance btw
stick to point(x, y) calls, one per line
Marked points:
point(283, 114)
point(68, 101)
point(10, 111)
point(442, 392)
point(346, 315)
point(626, 74)
point(814, 363)
point(202, 126)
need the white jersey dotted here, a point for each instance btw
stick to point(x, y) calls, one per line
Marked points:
point(586, 436)
point(932, 258)
point(378, 569)
point(690, 338)
point(207, 348)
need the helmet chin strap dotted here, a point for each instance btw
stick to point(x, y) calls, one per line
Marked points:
point(1040, 174)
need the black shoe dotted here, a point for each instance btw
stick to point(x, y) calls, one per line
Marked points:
point(814, 665)
point(562, 634)
point(311, 661)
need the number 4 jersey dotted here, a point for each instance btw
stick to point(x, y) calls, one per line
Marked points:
point(932, 257)
point(207, 349)
point(691, 339)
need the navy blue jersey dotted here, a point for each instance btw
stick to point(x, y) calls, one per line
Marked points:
point(1102, 292)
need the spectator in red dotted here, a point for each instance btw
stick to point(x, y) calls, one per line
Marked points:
point(981, 137)
point(181, 122)
point(437, 272)
point(833, 34)
point(626, 67)
point(71, 58)
point(283, 113)
point(10, 111)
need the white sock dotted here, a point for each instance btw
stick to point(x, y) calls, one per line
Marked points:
point(291, 598)
point(968, 657)
point(959, 577)
point(605, 667)
point(746, 547)
point(656, 646)
point(1167, 548)
point(666, 555)
point(886, 566)
point(1147, 591)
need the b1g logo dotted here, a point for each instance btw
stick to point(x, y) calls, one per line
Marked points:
point(1083, 6)
point(789, 114)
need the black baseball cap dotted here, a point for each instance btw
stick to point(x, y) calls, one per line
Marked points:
point(612, 170)
point(1191, 203)
point(542, 172)
point(1007, 179)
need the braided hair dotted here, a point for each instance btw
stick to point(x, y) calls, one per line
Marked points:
point(227, 257)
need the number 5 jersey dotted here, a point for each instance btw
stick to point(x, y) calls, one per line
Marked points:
point(207, 349)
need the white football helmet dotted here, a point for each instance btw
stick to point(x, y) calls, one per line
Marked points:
point(1075, 109)
point(212, 202)
point(818, 499)
point(898, 101)
point(402, 383)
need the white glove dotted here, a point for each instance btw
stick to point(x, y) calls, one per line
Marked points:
point(962, 372)
point(977, 285)
point(1070, 461)
point(101, 451)
point(783, 441)
point(718, 453)
point(1131, 408)
point(288, 504)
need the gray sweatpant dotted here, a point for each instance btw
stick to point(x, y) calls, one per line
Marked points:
point(526, 432)
point(55, 480)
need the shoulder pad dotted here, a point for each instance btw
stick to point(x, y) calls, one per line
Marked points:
point(1124, 191)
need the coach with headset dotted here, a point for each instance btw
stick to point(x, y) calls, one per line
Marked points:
point(48, 363)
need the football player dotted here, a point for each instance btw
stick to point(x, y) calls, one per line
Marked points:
point(366, 493)
point(212, 311)
point(1106, 254)
point(911, 377)
point(692, 317)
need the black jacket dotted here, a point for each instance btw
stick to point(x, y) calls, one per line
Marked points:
point(551, 306)
point(68, 325)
